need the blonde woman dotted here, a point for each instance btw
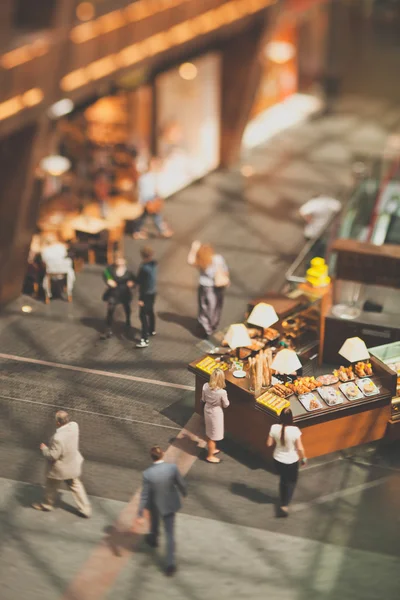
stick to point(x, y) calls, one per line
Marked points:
point(215, 399)
point(212, 269)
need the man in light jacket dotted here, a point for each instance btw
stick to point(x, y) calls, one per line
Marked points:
point(160, 496)
point(64, 464)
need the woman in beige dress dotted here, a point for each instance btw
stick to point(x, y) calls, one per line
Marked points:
point(215, 399)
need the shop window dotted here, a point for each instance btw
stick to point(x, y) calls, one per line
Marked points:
point(29, 16)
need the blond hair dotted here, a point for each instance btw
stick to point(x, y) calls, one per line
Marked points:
point(204, 256)
point(217, 380)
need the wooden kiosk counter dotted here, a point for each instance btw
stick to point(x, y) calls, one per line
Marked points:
point(326, 430)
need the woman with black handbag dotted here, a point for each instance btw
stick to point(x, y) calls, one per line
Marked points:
point(120, 281)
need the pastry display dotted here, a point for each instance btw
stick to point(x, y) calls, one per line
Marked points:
point(367, 386)
point(310, 402)
point(363, 369)
point(331, 395)
point(271, 334)
point(344, 374)
point(256, 345)
point(209, 364)
point(395, 367)
point(351, 391)
point(267, 361)
point(328, 379)
point(303, 385)
point(273, 402)
point(281, 390)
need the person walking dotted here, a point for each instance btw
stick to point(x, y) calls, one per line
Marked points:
point(152, 203)
point(215, 400)
point(287, 453)
point(162, 483)
point(147, 282)
point(64, 464)
point(120, 281)
point(213, 280)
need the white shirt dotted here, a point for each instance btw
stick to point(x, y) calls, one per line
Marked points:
point(287, 452)
point(321, 210)
point(207, 277)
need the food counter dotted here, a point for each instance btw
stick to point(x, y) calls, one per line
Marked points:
point(326, 429)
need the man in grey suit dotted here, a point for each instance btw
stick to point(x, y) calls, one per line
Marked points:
point(64, 464)
point(160, 496)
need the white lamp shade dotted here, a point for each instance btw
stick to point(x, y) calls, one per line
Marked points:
point(55, 165)
point(286, 362)
point(263, 315)
point(61, 108)
point(354, 349)
point(237, 336)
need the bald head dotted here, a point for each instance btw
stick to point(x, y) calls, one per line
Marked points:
point(62, 418)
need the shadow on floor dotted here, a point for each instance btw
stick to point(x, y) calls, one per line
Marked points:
point(119, 329)
point(252, 494)
point(189, 323)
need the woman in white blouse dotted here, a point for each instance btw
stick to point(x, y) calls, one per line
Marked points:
point(287, 453)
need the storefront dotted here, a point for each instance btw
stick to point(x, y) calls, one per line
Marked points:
point(293, 63)
point(188, 118)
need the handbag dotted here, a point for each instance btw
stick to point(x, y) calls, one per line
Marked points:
point(154, 207)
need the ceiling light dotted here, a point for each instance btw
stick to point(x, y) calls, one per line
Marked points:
point(188, 71)
point(85, 11)
point(61, 108)
point(32, 97)
point(26, 309)
point(280, 52)
point(55, 165)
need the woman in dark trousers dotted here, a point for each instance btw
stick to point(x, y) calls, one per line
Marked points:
point(147, 282)
point(288, 452)
point(120, 281)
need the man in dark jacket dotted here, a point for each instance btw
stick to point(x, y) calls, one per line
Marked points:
point(162, 483)
point(147, 282)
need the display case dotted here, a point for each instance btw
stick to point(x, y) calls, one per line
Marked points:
point(326, 429)
point(389, 355)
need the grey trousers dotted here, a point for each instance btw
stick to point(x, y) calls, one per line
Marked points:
point(169, 527)
point(211, 301)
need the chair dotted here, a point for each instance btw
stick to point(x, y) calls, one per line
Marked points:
point(48, 281)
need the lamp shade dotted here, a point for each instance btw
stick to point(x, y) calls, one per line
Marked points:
point(286, 362)
point(55, 165)
point(263, 315)
point(354, 349)
point(237, 336)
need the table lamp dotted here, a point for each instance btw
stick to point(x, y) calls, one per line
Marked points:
point(286, 362)
point(237, 337)
point(263, 315)
point(354, 350)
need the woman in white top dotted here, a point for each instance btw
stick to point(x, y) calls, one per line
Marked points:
point(215, 399)
point(214, 277)
point(287, 453)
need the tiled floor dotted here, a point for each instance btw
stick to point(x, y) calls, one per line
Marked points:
point(342, 540)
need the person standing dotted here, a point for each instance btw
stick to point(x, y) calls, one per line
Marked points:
point(147, 282)
point(287, 453)
point(215, 400)
point(213, 280)
point(64, 464)
point(152, 203)
point(120, 281)
point(162, 483)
